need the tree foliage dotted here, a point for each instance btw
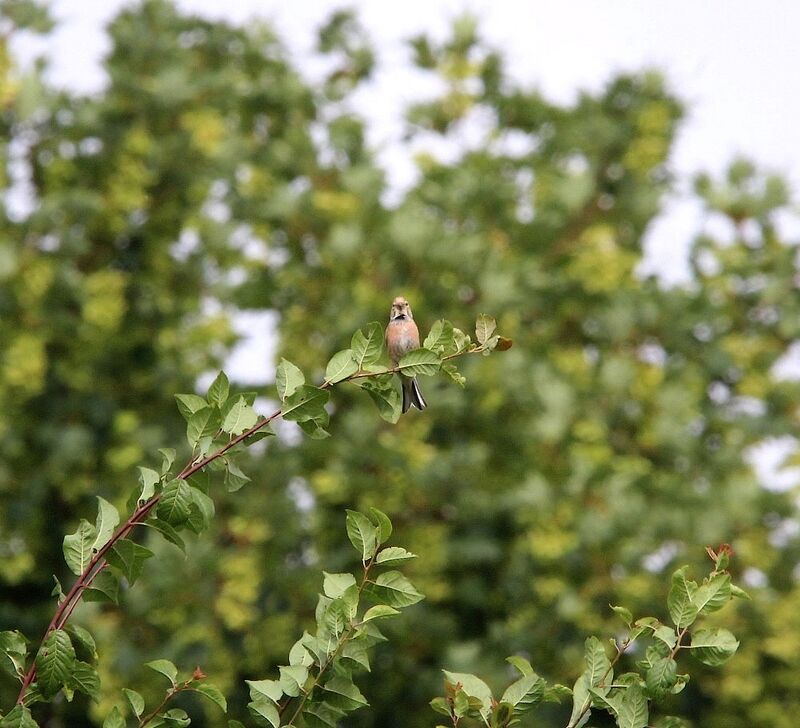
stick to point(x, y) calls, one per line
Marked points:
point(608, 445)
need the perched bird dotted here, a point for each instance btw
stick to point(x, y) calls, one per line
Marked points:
point(402, 336)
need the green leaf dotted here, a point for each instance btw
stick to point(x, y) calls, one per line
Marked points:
point(362, 534)
point(293, 677)
point(556, 693)
point(201, 511)
point(19, 717)
point(299, 655)
point(394, 555)
point(234, 477)
point(356, 652)
point(440, 338)
point(136, 701)
point(114, 719)
point(484, 328)
point(598, 666)
point(739, 593)
point(322, 715)
point(334, 585)
point(263, 708)
point(167, 531)
point(344, 694)
point(175, 505)
point(382, 521)
point(524, 693)
point(394, 589)
point(713, 594)
point(105, 588)
point(623, 613)
point(219, 390)
point(661, 677)
point(148, 479)
point(632, 709)
point(82, 640)
point(581, 700)
point(367, 345)
point(473, 686)
point(313, 429)
point(379, 611)
point(203, 423)
point(440, 705)
point(188, 404)
point(288, 378)
point(213, 693)
point(341, 366)
point(420, 361)
point(453, 374)
point(269, 688)
point(385, 396)
point(713, 646)
point(167, 458)
point(78, 547)
point(129, 558)
point(239, 418)
point(521, 664)
point(682, 610)
point(307, 403)
point(107, 521)
point(13, 650)
point(85, 679)
point(54, 663)
point(165, 667)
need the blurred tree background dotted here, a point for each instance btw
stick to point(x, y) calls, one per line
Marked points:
point(576, 470)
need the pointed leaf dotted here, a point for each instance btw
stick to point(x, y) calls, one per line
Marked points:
point(394, 589)
point(484, 328)
point(78, 547)
point(203, 423)
point(440, 338)
point(344, 694)
point(165, 667)
point(598, 666)
point(175, 505)
point(105, 588)
point(148, 479)
point(234, 477)
point(288, 378)
point(213, 693)
point(136, 701)
point(394, 555)
point(54, 662)
point(83, 641)
point(632, 709)
point(682, 610)
point(239, 418)
point(129, 558)
point(367, 345)
point(661, 677)
point(362, 534)
point(521, 664)
point(524, 693)
point(85, 679)
point(473, 686)
point(385, 397)
point(379, 611)
point(19, 717)
point(341, 366)
point(219, 390)
point(713, 646)
point(188, 404)
point(383, 523)
point(293, 678)
point(713, 594)
point(167, 458)
point(107, 521)
point(307, 403)
point(334, 585)
point(420, 361)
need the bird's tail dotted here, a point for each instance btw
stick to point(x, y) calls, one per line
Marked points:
point(412, 395)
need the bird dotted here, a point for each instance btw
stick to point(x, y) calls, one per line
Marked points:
point(402, 336)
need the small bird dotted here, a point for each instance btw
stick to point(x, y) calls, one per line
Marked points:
point(402, 336)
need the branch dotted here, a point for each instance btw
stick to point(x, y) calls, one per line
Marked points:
point(98, 561)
